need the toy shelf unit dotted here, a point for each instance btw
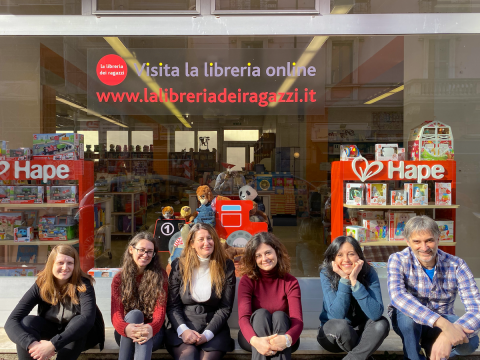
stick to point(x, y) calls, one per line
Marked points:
point(103, 230)
point(36, 217)
point(383, 192)
point(128, 207)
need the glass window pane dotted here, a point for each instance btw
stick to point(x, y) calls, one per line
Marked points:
point(145, 5)
point(207, 140)
point(142, 138)
point(265, 5)
point(184, 140)
point(117, 138)
point(240, 135)
point(236, 156)
point(90, 138)
point(402, 7)
point(40, 7)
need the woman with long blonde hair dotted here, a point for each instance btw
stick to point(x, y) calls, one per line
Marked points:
point(139, 296)
point(200, 298)
point(68, 320)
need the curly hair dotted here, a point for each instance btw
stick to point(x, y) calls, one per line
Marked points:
point(248, 264)
point(142, 296)
point(332, 252)
point(50, 292)
point(189, 260)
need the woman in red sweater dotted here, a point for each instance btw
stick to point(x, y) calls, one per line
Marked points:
point(269, 300)
point(139, 295)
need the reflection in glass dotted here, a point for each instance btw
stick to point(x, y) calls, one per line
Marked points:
point(145, 5)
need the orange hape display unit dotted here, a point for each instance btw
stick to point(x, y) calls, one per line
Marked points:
point(232, 222)
point(362, 170)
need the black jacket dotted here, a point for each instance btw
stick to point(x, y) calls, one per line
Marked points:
point(87, 310)
point(183, 309)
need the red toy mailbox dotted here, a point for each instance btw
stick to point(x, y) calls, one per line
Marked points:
point(232, 222)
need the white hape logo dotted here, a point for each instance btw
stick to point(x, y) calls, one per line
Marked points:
point(368, 172)
point(6, 168)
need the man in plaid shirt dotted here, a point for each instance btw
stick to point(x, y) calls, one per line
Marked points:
point(423, 283)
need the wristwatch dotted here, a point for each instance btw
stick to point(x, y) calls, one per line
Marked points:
point(289, 343)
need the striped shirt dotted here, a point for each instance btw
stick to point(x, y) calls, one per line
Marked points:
point(412, 292)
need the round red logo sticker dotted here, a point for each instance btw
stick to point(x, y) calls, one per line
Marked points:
point(111, 70)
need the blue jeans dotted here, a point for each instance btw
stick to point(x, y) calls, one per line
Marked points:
point(130, 350)
point(415, 336)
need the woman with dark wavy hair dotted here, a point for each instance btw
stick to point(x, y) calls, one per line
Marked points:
point(139, 295)
point(269, 300)
point(351, 320)
point(200, 298)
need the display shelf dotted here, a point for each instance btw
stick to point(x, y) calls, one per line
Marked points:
point(401, 243)
point(37, 206)
point(41, 242)
point(403, 207)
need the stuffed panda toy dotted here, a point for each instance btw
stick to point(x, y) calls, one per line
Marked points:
point(247, 193)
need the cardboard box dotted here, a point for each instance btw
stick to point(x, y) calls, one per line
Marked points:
point(370, 215)
point(431, 140)
point(20, 154)
point(66, 146)
point(265, 183)
point(57, 232)
point(26, 194)
point(396, 224)
point(3, 149)
point(17, 271)
point(417, 194)
point(23, 234)
point(348, 152)
point(62, 194)
point(354, 194)
point(357, 232)
point(104, 272)
point(399, 197)
point(378, 229)
point(446, 228)
point(4, 194)
point(8, 222)
point(386, 152)
point(443, 193)
point(376, 194)
point(401, 154)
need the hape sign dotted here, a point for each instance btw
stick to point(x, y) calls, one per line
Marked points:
point(40, 170)
point(397, 170)
point(206, 82)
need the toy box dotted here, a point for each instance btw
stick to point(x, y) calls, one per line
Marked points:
point(378, 229)
point(20, 154)
point(396, 224)
point(23, 234)
point(57, 232)
point(354, 194)
point(431, 140)
point(26, 194)
point(264, 183)
point(447, 232)
point(357, 232)
point(47, 220)
point(4, 194)
point(386, 152)
point(66, 146)
point(443, 193)
point(401, 154)
point(398, 197)
point(65, 220)
point(104, 272)
point(348, 152)
point(370, 215)
point(376, 194)
point(8, 222)
point(417, 194)
point(17, 271)
point(62, 194)
point(3, 149)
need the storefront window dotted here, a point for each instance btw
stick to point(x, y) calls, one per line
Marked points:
point(367, 90)
point(145, 5)
point(265, 5)
point(39, 7)
point(401, 7)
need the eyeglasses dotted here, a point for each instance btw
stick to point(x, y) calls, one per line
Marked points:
point(150, 253)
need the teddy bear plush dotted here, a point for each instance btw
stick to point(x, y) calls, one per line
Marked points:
point(235, 254)
point(257, 215)
point(206, 212)
point(167, 212)
point(186, 213)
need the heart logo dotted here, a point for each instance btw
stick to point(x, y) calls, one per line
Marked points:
point(7, 166)
point(368, 172)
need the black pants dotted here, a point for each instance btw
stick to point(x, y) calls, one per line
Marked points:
point(43, 329)
point(265, 324)
point(361, 342)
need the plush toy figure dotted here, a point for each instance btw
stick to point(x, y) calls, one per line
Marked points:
point(247, 193)
point(235, 254)
point(206, 212)
point(167, 212)
point(186, 213)
point(257, 215)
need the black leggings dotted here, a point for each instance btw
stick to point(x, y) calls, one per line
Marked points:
point(43, 329)
point(192, 352)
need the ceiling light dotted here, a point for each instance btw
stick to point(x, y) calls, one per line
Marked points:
point(383, 96)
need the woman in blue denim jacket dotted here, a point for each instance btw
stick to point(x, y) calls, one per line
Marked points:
point(351, 320)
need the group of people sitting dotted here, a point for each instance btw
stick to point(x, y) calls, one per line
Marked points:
point(188, 311)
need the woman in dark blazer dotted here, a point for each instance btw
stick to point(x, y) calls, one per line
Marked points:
point(201, 292)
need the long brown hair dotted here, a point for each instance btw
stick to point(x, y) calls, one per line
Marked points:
point(189, 260)
point(143, 296)
point(248, 264)
point(52, 293)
